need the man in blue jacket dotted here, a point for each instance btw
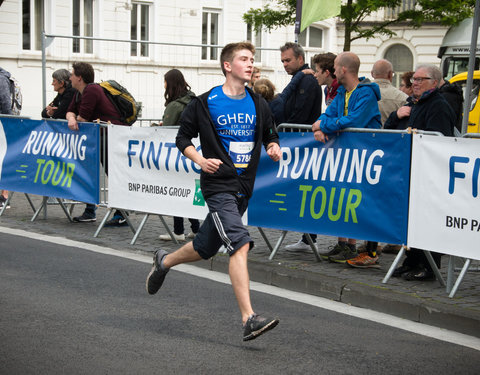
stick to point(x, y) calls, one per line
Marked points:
point(354, 106)
point(233, 124)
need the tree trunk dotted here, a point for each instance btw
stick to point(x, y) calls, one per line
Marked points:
point(348, 26)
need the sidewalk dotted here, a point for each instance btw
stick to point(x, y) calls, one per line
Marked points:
point(425, 302)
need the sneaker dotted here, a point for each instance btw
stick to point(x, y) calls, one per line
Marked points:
point(257, 325)
point(116, 221)
point(191, 235)
point(85, 217)
point(420, 274)
point(363, 260)
point(299, 246)
point(334, 250)
point(157, 275)
point(343, 255)
point(166, 237)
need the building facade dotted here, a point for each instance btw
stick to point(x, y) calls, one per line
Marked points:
point(169, 34)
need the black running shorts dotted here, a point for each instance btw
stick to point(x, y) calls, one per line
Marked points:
point(223, 225)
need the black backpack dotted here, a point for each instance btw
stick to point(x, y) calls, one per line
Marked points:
point(122, 100)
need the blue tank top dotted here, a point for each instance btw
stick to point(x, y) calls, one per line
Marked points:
point(235, 121)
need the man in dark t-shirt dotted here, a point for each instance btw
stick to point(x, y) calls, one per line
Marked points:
point(88, 105)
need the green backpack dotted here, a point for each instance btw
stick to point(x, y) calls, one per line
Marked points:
point(122, 100)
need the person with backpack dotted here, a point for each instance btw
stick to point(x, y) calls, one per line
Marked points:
point(177, 96)
point(90, 104)
point(5, 93)
point(57, 109)
point(6, 108)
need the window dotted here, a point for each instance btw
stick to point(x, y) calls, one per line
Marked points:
point(33, 24)
point(139, 29)
point(210, 24)
point(256, 39)
point(82, 25)
point(402, 60)
point(311, 37)
point(391, 13)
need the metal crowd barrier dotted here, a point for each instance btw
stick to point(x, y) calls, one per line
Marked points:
point(284, 127)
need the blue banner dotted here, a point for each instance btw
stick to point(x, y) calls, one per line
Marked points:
point(354, 186)
point(47, 158)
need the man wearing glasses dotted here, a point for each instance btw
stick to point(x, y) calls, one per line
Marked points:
point(426, 109)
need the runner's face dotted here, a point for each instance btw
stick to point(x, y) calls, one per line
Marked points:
point(241, 66)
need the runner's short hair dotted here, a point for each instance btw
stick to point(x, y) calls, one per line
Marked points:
point(228, 52)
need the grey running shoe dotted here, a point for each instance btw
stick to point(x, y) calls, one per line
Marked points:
point(157, 275)
point(257, 325)
point(333, 251)
point(86, 217)
point(343, 255)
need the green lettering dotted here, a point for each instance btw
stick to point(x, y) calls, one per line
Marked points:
point(45, 180)
point(322, 190)
point(69, 175)
point(305, 189)
point(351, 206)
point(331, 216)
point(56, 181)
point(39, 166)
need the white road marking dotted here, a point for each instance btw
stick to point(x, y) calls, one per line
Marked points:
point(358, 312)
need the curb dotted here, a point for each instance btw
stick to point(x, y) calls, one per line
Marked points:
point(358, 294)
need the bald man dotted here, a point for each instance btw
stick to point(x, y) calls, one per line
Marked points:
point(354, 106)
point(392, 98)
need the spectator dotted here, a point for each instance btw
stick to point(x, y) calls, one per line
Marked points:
point(406, 85)
point(392, 98)
point(226, 184)
point(265, 88)
point(454, 96)
point(355, 105)
point(61, 84)
point(255, 76)
point(426, 109)
point(89, 104)
point(325, 75)
point(177, 96)
point(5, 109)
point(304, 105)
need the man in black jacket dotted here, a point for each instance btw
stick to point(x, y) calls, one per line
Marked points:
point(426, 109)
point(233, 123)
point(304, 106)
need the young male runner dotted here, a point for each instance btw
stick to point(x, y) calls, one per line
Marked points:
point(233, 123)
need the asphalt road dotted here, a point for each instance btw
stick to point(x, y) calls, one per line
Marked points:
point(66, 310)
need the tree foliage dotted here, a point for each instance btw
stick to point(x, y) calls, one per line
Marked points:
point(354, 14)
